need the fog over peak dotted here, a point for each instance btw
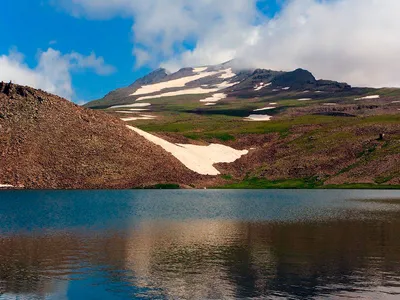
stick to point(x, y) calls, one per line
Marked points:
point(347, 40)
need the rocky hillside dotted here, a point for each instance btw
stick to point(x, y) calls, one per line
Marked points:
point(49, 142)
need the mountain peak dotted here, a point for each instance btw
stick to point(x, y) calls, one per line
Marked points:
point(155, 76)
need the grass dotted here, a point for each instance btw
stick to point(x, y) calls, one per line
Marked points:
point(260, 183)
point(226, 127)
point(367, 186)
point(316, 137)
point(307, 183)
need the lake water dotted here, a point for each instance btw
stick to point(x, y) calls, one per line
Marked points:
point(160, 244)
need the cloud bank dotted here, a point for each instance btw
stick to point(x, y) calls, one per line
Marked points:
point(347, 40)
point(53, 70)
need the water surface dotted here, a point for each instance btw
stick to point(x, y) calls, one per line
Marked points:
point(200, 244)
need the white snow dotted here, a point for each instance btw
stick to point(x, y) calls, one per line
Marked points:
point(191, 91)
point(141, 117)
point(265, 108)
point(210, 103)
point(329, 104)
point(199, 159)
point(395, 101)
point(258, 118)
point(199, 69)
point(286, 88)
point(131, 105)
point(139, 109)
point(2, 186)
point(304, 99)
point(228, 73)
point(225, 84)
point(273, 103)
point(275, 90)
point(261, 86)
point(176, 83)
point(131, 111)
point(368, 97)
point(125, 112)
point(214, 98)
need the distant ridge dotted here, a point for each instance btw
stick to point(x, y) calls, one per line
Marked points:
point(231, 79)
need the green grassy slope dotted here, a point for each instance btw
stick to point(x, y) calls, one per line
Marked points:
point(307, 144)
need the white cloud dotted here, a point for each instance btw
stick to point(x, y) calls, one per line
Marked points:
point(53, 70)
point(347, 40)
point(161, 27)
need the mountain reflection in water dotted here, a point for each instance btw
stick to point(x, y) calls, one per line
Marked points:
point(208, 258)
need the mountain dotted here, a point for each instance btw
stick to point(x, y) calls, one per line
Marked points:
point(299, 131)
point(49, 142)
point(204, 127)
point(225, 78)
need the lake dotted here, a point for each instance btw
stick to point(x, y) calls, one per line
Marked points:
point(184, 244)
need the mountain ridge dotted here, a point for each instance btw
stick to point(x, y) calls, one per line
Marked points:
point(241, 83)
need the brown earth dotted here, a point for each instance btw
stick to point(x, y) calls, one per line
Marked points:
point(47, 142)
point(312, 152)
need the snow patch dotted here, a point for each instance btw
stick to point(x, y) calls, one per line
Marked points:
point(131, 111)
point(286, 88)
point(228, 73)
point(273, 103)
point(210, 103)
point(6, 186)
point(131, 105)
point(192, 91)
point(176, 83)
point(225, 84)
point(141, 117)
point(395, 101)
point(304, 99)
point(214, 98)
point(265, 108)
point(329, 104)
point(368, 97)
point(258, 118)
point(199, 159)
point(261, 86)
point(199, 69)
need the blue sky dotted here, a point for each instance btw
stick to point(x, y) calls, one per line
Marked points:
point(34, 25)
point(103, 45)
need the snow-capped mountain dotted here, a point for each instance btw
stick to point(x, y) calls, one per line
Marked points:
point(218, 82)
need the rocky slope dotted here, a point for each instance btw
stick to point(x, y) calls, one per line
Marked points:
point(48, 142)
